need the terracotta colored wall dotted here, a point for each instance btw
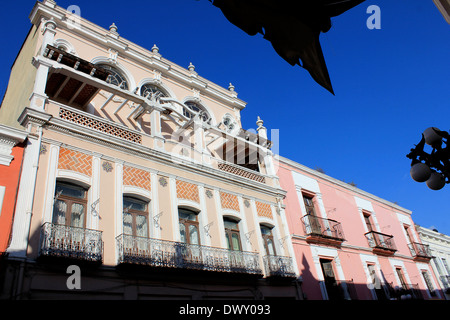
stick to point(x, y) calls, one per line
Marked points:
point(9, 178)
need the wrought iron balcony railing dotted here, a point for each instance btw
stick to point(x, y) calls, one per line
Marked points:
point(420, 251)
point(323, 228)
point(407, 291)
point(380, 242)
point(278, 266)
point(171, 254)
point(71, 242)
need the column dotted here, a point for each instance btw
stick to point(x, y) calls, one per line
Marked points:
point(155, 123)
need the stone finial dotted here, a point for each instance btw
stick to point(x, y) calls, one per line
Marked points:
point(113, 28)
point(231, 87)
point(262, 131)
point(155, 49)
point(259, 122)
point(191, 67)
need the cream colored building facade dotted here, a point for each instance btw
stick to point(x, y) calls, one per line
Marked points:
point(137, 166)
point(439, 245)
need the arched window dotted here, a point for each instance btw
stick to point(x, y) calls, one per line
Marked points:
point(188, 222)
point(148, 89)
point(70, 205)
point(196, 108)
point(116, 78)
point(135, 217)
point(269, 244)
point(232, 234)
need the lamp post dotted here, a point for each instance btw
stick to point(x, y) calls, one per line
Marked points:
point(434, 167)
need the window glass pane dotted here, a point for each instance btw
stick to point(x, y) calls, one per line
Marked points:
point(266, 230)
point(182, 233)
point(236, 242)
point(77, 215)
point(228, 241)
point(270, 247)
point(196, 108)
point(141, 226)
point(148, 89)
point(59, 212)
point(134, 204)
point(187, 215)
point(193, 234)
point(70, 191)
point(115, 77)
point(230, 224)
point(127, 223)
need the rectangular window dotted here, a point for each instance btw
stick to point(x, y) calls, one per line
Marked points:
point(189, 226)
point(401, 278)
point(309, 205)
point(368, 221)
point(135, 217)
point(446, 265)
point(408, 234)
point(232, 234)
point(70, 205)
point(427, 279)
point(376, 282)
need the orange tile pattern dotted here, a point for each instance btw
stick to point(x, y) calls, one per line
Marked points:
point(136, 177)
point(187, 191)
point(229, 201)
point(75, 161)
point(264, 210)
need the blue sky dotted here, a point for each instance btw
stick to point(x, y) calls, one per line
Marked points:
point(390, 84)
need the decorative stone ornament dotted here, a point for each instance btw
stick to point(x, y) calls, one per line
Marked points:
point(113, 30)
point(107, 166)
point(163, 181)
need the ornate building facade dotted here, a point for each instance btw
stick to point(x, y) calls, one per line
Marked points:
point(439, 245)
point(138, 172)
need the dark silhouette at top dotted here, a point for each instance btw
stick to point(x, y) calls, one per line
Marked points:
point(293, 27)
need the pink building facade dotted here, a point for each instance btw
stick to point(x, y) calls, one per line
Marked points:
point(350, 244)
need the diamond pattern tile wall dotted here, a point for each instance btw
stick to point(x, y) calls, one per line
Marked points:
point(229, 201)
point(75, 161)
point(136, 177)
point(263, 209)
point(187, 191)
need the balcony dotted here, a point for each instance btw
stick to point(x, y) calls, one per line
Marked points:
point(278, 266)
point(420, 252)
point(169, 254)
point(61, 241)
point(323, 231)
point(382, 244)
point(82, 101)
point(405, 292)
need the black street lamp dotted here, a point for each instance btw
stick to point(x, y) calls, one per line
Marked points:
point(434, 167)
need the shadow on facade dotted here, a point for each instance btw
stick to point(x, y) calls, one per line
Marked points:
point(47, 277)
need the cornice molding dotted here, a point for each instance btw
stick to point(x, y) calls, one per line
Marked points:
point(340, 183)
